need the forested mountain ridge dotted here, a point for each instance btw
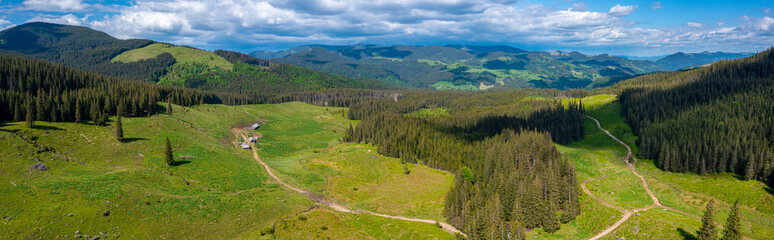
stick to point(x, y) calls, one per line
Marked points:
point(81, 48)
point(37, 90)
point(94, 51)
point(681, 60)
point(713, 119)
point(464, 66)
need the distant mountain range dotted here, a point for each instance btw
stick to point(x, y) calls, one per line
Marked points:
point(681, 60)
point(481, 67)
point(140, 59)
point(461, 67)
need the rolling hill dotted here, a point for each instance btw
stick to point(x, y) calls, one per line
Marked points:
point(681, 60)
point(470, 67)
point(464, 66)
point(146, 60)
point(709, 120)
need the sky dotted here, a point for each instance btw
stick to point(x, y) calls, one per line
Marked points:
point(638, 28)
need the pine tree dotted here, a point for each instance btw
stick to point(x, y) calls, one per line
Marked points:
point(551, 223)
point(121, 109)
point(77, 111)
point(733, 224)
point(119, 129)
point(168, 156)
point(39, 106)
point(350, 134)
point(169, 105)
point(749, 171)
point(30, 112)
point(708, 231)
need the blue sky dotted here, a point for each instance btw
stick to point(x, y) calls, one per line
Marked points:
point(643, 28)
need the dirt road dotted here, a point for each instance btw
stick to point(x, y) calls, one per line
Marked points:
point(627, 213)
point(335, 206)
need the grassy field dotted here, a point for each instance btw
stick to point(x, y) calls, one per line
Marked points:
point(323, 223)
point(217, 191)
point(182, 55)
point(429, 113)
point(306, 153)
point(685, 192)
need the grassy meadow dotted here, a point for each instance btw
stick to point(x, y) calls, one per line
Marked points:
point(598, 154)
point(183, 55)
point(216, 190)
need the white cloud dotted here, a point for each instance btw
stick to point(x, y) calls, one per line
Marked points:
point(619, 10)
point(68, 19)
point(55, 5)
point(766, 10)
point(765, 24)
point(579, 6)
point(656, 6)
point(694, 24)
point(5, 24)
point(246, 24)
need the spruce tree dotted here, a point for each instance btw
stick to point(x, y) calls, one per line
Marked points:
point(169, 105)
point(168, 156)
point(749, 171)
point(39, 106)
point(350, 136)
point(733, 224)
point(119, 130)
point(551, 222)
point(121, 109)
point(708, 231)
point(77, 111)
point(30, 112)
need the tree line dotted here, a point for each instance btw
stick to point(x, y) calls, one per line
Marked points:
point(714, 119)
point(509, 175)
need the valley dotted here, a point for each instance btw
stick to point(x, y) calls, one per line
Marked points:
point(106, 138)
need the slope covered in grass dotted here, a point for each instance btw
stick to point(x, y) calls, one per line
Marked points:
point(216, 191)
point(141, 59)
point(598, 154)
point(183, 55)
point(302, 145)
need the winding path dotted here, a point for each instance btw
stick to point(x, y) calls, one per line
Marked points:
point(335, 206)
point(627, 213)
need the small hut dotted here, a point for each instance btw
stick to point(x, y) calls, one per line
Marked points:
point(253, 139)
point(255, 126)
point(245, 145)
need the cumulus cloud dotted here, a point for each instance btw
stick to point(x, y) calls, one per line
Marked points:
point(5, 24)
point(55, 5)
point(694, 24)
point(619, 10)
point(68, 19)
point(250, 24)
point(656, 6)
point(579, 6)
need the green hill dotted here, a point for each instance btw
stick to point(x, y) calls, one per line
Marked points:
point(137, 59)
point(466, 67)
point(81, 48)
point(709, 120)
point(681, 60)
point(182, 55)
